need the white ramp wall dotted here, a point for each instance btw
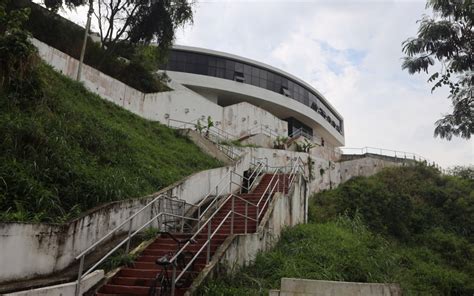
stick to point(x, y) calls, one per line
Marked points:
point(181, 103)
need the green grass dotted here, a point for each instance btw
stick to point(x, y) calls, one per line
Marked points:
point(354, 237)
point(67, 151)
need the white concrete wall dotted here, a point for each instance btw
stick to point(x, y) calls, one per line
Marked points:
point(303, 287)
point(29, 250)
point(240, 118)
point(64, 289)
point(180, 104)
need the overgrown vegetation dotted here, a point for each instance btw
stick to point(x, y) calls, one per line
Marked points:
point(406, 225)
point(66, 150)
point(403, 202)
point(67, 37)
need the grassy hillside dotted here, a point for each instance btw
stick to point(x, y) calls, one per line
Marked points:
point(65, 150)
point(405, 225)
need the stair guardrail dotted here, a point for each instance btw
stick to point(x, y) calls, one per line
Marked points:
point(265, 198)
point(259, 166)
point(300, 132)
point(130, 234)
point(385, 152)
point(262, 129)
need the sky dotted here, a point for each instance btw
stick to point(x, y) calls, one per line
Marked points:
point(351, 52)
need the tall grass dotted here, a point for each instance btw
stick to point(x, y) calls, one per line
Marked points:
point(344, 250)
point(67, 151)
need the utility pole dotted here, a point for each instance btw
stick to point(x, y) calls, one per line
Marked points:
point(84, 43)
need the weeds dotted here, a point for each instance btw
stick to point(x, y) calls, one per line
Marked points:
point(72, 151)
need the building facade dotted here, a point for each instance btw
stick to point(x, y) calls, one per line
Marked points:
point(227, 79)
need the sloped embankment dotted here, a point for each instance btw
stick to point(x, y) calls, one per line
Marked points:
point(66, 151)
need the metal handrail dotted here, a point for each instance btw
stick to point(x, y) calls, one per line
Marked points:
point(86, 251)
point(194, 122)
point(216, 186)
point(386, 152)
point(200, 215)
point(81, 275)
point(263, 128)
point(198, 231)
point(267, 200)
point(230, 214)
point(206, 244)
point(268, 186)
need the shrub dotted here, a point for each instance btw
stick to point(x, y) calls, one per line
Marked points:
point(403, 202)
point(18, 57)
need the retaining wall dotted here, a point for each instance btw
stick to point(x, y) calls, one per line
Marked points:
point(303, 287)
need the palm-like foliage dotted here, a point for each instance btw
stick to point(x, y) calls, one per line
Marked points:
point(447, 37)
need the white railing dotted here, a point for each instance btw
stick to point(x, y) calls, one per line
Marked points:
point(391, 153)
point(214, 134)
point(301, 132)
point(262, 129)
point(384, 152)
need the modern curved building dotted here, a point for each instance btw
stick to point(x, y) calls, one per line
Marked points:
point(227, 79)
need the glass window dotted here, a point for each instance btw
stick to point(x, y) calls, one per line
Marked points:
point(201, 59)
point(201, 69)
point(247, 69)
point(220, 63)
point(180, 66)
point(220, 72)
point(278, 79)
point(230, 65)
point(211, 71)
point(255, 80)
point(270, 76)
point(255, 71)
point(229, 74)
point(263, 83)
point(212, 61)
point(263, 74)
point(239, 67)
point(270, 85)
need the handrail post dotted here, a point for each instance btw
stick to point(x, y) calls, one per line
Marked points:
point(173, 280)
point(257, 214)
point(232, 216)
point(127, 248)
point(79, 276)
point(199, 216)
point(246, 213)
point(183, 209)
point(208, 253)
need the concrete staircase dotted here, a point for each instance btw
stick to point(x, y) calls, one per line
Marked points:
point(136, 279)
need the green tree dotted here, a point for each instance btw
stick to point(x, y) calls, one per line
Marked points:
point(135, 22)
point(447, 37)
point(17, 54)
